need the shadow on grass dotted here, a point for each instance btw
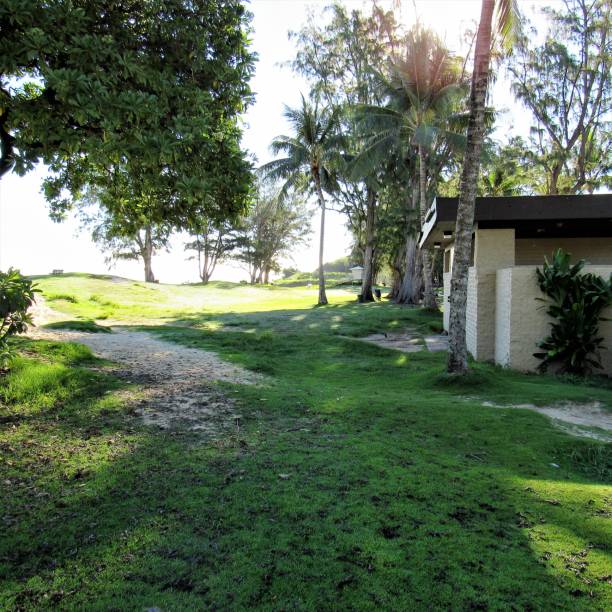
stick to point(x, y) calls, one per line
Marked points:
point(340, 319)
point(353, 484)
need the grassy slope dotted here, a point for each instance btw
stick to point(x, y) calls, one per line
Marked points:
point(398, 491)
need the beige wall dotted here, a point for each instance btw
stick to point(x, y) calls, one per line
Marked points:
point(521, 321)
point(446, 305)
point(493, 249)
point(531, 251)
point(503, 312)
point(504, 320)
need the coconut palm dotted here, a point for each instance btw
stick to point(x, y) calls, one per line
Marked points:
point(507, 20)
point(424, 92)
point(310, 155)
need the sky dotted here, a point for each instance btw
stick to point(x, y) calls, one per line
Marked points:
point(31, 242)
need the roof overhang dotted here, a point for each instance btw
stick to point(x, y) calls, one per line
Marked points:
point(531, 216)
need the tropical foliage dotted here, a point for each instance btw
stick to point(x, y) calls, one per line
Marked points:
point(16, 298)
point(575, 302)
point(309, 160)
point(151, 90)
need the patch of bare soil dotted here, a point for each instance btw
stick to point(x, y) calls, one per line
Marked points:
point(407, 341)
point(177, 381)
point(574, 418)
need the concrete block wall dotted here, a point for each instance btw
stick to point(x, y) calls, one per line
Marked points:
point(493, 249)
point(521, 320)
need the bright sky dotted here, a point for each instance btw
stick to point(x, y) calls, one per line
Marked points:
point(31, 242)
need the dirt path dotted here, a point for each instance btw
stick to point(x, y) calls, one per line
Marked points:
point(577, 419)
point(177, 381)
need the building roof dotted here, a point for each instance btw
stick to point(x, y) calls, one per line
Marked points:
point(531, 216)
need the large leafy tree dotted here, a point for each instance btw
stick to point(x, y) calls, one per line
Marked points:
point(309, 159)
point(566, 83)
point(152, 86)
point(506, 18)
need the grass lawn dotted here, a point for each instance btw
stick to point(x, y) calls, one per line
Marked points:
point(360, 477)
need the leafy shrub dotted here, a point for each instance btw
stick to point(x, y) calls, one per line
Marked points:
point(576, 301)
point(61, 296)
point(16, 297)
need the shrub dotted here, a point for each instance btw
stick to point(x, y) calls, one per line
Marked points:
point(575, 303)
point(66, 297)
point(16, 297)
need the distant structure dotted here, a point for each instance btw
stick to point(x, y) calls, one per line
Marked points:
point(356, 274)
point(512, 236)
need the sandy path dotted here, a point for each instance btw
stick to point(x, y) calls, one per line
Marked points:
point(177, 381)
point(574, 418)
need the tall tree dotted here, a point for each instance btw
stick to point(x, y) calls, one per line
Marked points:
point(419, 125)
point(507, 15)
point(154, 86)
point(566, 83)
point(275, 225)
point(341, 59)
point(213, 242)
point(426, 83)
point(310, 159)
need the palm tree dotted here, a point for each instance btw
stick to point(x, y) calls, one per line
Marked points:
point(424, 92)
point(507, 17)
point(310, 156)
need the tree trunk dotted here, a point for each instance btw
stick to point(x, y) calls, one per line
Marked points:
point(368, 258)
point(204, 275)
point(322, 296)
point(397, 271)
point(147, 256)
point(266, 279)
point(7, 153)
point(409, 291)
point(457, 355)
point(429, 298)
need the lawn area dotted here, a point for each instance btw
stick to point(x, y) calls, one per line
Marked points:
point(359, 477)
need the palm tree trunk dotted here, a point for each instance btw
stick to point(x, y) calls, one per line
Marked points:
point(322, 296)
point(410, 288)
point(147, 256)
point(429, 298)
point(368, 259)
point(457, 355)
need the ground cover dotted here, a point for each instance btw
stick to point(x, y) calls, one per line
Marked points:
point(357, 477)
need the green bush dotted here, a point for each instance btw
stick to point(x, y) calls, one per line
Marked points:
point(575, 303)
point(66, 297)
point(16, 297)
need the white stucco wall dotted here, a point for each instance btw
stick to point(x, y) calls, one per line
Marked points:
point(503, 313)
point(446, 305)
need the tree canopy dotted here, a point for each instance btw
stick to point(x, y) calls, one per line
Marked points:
point(151, 89)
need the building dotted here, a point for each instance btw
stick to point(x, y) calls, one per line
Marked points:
point(356, 274)
point(512, 236)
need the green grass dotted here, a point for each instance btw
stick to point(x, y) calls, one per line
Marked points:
point(399, 490)
point(80, 325)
